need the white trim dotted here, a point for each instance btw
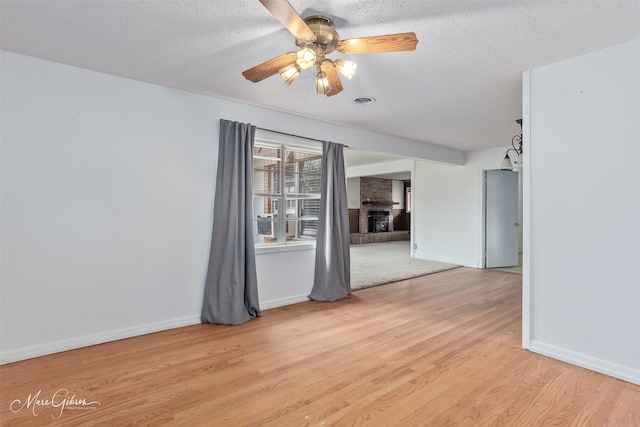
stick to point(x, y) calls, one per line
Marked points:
point(316, 148)
point(280, 302)
point(586, 361)
point(482, 241)
point(25, 353)
point(289, 247)
point(93, 339)
point(278, 140)
point(526, 210)
point(482, 201)
point(412, 234)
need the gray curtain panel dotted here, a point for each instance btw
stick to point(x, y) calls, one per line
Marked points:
point(231, 289)
point(332, 278)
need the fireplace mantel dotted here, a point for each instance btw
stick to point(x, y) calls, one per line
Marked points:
point(379, 202)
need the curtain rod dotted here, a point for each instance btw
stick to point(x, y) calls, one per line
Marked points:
point(291, 134)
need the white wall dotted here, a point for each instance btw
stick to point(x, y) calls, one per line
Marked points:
point(106, 203)
point(583, 197)
point(397, 193)
point(353, 193)
point(447, 208)
point(285, 274)
point(107, 198)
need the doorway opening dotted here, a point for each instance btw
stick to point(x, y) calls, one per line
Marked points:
point(502, 232)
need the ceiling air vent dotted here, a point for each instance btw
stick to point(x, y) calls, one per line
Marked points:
point(364, 101)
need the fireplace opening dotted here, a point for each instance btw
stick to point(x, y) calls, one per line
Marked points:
point(378, 221)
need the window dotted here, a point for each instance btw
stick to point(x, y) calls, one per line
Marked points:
point(286, 193)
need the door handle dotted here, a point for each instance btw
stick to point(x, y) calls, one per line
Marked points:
point(517, 224)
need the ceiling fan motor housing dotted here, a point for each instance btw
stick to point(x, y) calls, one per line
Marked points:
point(326, 35)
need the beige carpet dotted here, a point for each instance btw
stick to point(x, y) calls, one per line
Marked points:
point(378, 263)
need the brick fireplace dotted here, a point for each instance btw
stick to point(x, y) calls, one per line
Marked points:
point(375, 219)
point(375, 196)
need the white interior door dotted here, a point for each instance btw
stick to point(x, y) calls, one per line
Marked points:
point(502, 234)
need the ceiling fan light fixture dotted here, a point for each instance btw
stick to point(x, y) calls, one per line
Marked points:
point(322, 83)
point(290, 73)
point(316, 37)
point(346, 68)
point(306, 58)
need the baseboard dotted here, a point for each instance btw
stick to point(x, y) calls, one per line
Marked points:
point(101, 338)
point(93, 339)
point(587, 362)
point(451, 260)
point(279, 302)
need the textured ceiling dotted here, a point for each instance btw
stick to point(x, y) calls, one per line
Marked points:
point(461, 88)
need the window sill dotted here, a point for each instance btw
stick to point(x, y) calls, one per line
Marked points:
point(306, 246)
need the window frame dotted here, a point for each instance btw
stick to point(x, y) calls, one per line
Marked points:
point(283, 198)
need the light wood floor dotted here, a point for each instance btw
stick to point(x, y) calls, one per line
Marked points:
point(439, 350)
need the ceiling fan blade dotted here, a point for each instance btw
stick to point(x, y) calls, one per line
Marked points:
point(332, 76)
point(378, 44)
point(270, 67)
point(287, 15)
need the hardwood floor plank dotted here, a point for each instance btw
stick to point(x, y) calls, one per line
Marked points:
point(442, 349)
point(626, 411)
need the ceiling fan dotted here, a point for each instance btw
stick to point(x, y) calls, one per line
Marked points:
point(315, 38)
